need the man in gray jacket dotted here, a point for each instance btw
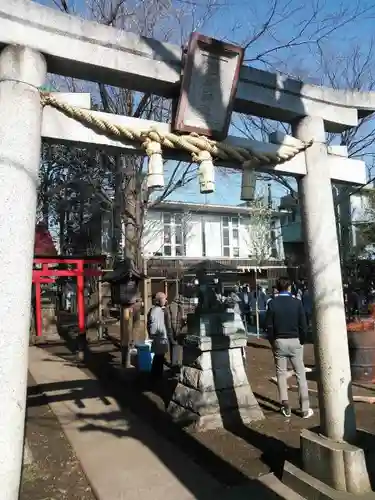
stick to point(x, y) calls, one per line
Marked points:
point(158, 327)
point(178, 322)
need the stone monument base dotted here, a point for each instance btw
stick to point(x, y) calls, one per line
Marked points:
point(332, 469)
point(213, 390)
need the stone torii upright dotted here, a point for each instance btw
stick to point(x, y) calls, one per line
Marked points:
point(36, 39)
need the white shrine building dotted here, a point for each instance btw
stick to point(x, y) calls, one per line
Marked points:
point(179, 235)
point(198, 231)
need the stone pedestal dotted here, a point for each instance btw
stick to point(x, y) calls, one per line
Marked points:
point(213, 390)
point(332, 467)
point(339, 465)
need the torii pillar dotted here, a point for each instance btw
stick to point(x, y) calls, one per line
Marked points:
point(22, 71)
point(332, 353)
point(329, 453)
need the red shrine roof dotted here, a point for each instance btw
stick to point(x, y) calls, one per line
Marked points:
point(43, 246)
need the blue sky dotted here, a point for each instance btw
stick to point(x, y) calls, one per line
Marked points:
point(238, 21)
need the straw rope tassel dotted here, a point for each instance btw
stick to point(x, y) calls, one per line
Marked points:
point(155, 172)
point(206, 172)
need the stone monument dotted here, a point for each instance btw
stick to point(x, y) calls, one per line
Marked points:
point(213, 390)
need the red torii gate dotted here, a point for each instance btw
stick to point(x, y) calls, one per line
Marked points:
point(45, 256)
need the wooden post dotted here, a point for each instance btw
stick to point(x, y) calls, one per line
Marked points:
point(100, 308)
point(81, 297)
point(146, 305)
point(256, 303)
point(38, 309)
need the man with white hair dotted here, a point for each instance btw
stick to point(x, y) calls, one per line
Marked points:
point(164, 325)
point(157, 327)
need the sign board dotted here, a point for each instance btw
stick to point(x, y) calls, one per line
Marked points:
point(208, 88)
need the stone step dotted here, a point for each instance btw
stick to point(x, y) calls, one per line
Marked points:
point(313, 489)
point(266, 487)
point(280, 489)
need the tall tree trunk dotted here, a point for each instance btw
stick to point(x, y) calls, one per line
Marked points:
point(83, 233)
point(45, 211)
point(131, 210)
point(62, 231)
point(48, 159)
point(345, 229)
point(116, 249)
point(131, 217)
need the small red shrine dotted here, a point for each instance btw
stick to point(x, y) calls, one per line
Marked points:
point(46, 270)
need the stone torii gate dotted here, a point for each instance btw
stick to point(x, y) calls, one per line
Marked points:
point(36, 39)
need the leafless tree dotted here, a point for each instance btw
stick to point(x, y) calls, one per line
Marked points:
point(279, 36)
point(154, 228)
point(258, 234)
point(350, 68)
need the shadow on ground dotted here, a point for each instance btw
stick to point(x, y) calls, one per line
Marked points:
point(264, 453)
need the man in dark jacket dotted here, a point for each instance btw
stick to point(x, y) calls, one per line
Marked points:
point(287, 329)
point(177, 322)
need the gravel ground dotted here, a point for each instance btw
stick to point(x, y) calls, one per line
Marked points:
point(232, 455)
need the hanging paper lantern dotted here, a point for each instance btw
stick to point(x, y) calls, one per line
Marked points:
point(248, 184)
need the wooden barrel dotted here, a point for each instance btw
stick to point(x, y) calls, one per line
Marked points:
point(362, 355)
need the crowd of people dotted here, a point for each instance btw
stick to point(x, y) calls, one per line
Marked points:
point(358, 301)
point(287, 312)
point(255, 301)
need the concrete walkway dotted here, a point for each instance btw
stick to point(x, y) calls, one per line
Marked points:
point(122, 457)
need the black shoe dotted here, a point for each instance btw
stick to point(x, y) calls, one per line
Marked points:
point(285, 410)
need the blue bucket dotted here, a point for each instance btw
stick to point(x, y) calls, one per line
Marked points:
point(144, 356)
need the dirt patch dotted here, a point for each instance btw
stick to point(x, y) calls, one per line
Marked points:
point(232, 455)
point(55, 473)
